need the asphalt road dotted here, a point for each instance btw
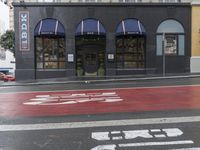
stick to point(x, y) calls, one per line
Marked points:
point(140, 137)
point(125, 131)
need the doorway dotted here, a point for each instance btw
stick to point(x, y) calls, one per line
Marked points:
point(90, 55)
point(90, 62)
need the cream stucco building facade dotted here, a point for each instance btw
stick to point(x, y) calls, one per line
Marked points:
point(195, 41)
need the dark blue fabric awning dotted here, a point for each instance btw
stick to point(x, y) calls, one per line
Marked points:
point(130, 27)
point(49, 27)
point(90, 27)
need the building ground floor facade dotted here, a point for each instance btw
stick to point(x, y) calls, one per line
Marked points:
point(195, 48)
point(68, 40)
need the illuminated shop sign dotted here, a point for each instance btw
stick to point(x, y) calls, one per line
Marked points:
point(24, 44)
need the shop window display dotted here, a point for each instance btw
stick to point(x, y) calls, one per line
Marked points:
point(172, 32)
point(171, 45)
point(50, 53)
point(130, 52)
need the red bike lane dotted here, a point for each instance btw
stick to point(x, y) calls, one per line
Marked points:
point(58, 103)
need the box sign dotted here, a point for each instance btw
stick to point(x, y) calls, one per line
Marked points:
point(24, 42)
point(111, 57)
point(70, 57)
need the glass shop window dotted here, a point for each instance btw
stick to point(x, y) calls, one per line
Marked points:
point(130, 52)
point(172, 32)
point(171, 45)
point(50, 53)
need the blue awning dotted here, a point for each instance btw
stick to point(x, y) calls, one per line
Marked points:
point(90, 27)
point(130, 27)
point(49, 27)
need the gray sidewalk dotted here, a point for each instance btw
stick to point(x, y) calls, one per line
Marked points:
point(96, 79)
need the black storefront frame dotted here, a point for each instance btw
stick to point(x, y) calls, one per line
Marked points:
point(180, 12)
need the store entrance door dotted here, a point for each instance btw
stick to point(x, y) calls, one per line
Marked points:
point(90, 56)
point(90, 62)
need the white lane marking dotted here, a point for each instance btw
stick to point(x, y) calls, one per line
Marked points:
point(32, 103)
point(156, 143)
point(101, 136)
point(160, 136)
point(116, 135)
point(112, 100)
point(107, 89)
point(112, 147)
point(105, 147)
point(155, 130)
point(89, 124)
point(69, 102)
point(115, 132)
point(117, 138)
point(84, 100)
point(42, 96)
point(39, 99)
point(137, 133)
point(192, 148)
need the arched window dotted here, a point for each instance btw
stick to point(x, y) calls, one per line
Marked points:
point(170, 33)
point(130, 44)
point(50, 44)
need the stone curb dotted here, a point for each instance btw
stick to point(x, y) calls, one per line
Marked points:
point(95, 80)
